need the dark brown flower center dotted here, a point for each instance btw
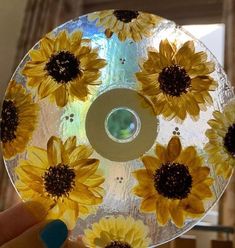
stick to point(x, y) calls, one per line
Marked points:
point(9, 121)
point(229, 140)
point(174, 80)
point(63, 67)
point(118, 244)
point(173, 180)
point(125, 15)
point(59, 180)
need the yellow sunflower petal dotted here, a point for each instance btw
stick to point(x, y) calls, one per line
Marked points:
point(162, 210)
point(79, 153)
point(47, 87)
point(37, 55)
point(144, 190)
point(142, 176)
point(192, 205)
point(70, 214)
point(187, 155)
point(31, 169)
point(227, 173)
point(79, 90)
point(94, 181)
point(83, 210)
point(202, 191)
point(55, 151)
point(186, 51)
point(37, 157)
point(177, 214)
point(192, 106)
point(161, 152)
point(166, 51)
point(195, 163)
point(214, 124)
point(200, 174)
point(84, 196)
point(151, 163)
point(34, 70)
point(87, 170)
point(173, 148)
point(104, 239)
point(70, 144)
point(61, 96)
point(23, 171)
point(46, 44)
point(148, 204)
point(201, 83)
point(75, 40)
point(61, 42)
point(198, 58)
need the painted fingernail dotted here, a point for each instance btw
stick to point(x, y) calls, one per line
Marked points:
point(54, 234)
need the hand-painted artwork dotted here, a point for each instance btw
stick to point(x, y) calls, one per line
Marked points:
point(122, 125)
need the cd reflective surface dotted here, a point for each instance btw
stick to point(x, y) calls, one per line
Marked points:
point(122, 125)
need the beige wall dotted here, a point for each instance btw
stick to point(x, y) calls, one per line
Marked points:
point(11, 19)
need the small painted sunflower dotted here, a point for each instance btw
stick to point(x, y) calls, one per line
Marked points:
point(173, 184)
point(125, 24)
point(221, 145)
point(117, 232)
point(177, 81)
point(18, 120)
point(63, 178)
point(63, 67)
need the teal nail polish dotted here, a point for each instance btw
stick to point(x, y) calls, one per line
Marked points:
point(54, 234)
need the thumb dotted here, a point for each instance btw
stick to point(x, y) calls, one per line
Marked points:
point(45, 234)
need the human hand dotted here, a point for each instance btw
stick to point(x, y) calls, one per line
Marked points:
point(24, 226)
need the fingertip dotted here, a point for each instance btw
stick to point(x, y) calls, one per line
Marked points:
point(16, 220)
point(36, 209)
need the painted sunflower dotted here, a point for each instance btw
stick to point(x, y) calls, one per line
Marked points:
point(18, 120)
point(117, 232)
point(63, 178)
point(125, 24)
point(63, 67)
point(174, 183)
point(221, 145)
point(177, 81)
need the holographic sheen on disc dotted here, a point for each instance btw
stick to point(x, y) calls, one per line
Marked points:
point(125, 50)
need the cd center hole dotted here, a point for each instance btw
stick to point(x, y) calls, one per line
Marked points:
point(122, 125)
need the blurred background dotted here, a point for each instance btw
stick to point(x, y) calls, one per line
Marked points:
point(24, 22)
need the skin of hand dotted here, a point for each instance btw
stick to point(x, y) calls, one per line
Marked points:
point(24, 226)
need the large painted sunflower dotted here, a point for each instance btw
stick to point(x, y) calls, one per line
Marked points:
point(63, 178)
point(221, 145)
point(173, 184)
point(177, 81)
point(18, 120)
point(117, 232)
point(63, 67)
point(125, 24)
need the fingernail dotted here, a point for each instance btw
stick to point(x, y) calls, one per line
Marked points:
point(36, 209)
point(54, 234)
